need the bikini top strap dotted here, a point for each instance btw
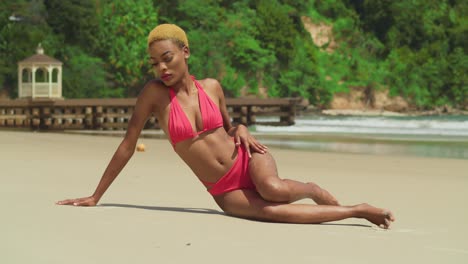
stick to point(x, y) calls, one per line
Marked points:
point(197, 84)
point(171, 93)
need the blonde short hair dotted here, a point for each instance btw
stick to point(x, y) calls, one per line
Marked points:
point(167, 31)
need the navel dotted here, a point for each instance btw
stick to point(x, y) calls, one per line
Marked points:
point(220, 161)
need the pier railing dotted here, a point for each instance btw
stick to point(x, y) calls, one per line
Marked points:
point(114, 114)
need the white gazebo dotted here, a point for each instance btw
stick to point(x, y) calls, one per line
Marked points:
point(40, 76)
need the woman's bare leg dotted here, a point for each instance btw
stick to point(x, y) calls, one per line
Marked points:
point(262, 169)
point(249, 204)
point(309, 190)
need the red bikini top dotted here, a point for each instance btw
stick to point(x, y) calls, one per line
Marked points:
point(179, 126)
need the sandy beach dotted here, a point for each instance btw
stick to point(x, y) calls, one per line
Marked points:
point(157, 212)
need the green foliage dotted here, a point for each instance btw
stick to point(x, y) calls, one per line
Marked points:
point(417, 49)
point(276, 29)
point(22, 28)
point(84, 76)
point(122, 35)
point(232, 82)
point(200, 17)
point(457, 86)
point(75, 20)
point(407, 46)
point(299, 78)
point(431, 32)
point(244, 50)
point(404, 77)
point(329, 81)
point(331, 9)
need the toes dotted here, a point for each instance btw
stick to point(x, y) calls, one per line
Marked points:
point(389, 216)
point(387, 223)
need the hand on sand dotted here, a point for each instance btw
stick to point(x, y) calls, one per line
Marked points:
point(86, 201)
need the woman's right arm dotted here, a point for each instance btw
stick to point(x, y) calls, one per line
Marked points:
point(124, 152)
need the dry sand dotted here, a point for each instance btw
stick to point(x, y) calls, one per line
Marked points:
point(157, 211)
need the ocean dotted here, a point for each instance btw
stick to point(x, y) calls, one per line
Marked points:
point(427, 136)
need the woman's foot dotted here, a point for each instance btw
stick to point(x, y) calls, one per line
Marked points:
point(322, 196)
point(377, 216)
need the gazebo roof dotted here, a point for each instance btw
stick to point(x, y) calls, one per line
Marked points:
point(40, 58)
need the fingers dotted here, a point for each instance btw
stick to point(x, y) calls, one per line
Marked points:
point(66, 202)
point(252, 145)
point(390, 216)
point(247, 147)
point(82, 203)
point(387, 223)
point(242, 136)
point(78, 202)
point(263, 147)
point(258, 147)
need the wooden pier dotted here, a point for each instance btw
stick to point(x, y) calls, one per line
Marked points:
point(113, 114)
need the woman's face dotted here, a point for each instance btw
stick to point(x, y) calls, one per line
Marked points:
point(168, 61)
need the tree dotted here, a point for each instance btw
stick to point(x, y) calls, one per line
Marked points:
point(22, 28)
point(276, 29)
point(122, 35)
point(84, 76)
point(76, 20)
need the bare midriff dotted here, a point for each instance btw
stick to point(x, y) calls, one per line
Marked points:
point(210, 155)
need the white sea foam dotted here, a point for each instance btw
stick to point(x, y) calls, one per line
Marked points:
point(431, 126)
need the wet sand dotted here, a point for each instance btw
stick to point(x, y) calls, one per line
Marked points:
point(157, 211)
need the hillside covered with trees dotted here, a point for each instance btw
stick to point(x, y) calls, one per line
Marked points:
point(414, 49)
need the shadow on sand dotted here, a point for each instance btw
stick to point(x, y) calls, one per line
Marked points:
point(165, 208)
point(206, 211)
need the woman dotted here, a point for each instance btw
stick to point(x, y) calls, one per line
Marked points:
point(236, 169)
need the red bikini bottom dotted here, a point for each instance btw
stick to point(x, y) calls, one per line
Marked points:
point(236, 178)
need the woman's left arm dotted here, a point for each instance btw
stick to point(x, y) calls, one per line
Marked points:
point(240, 132)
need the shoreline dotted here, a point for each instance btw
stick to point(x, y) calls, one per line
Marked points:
point(325, 136)
point(381, 112)
point(322, 136)
point(444, 137)
point(436, 147)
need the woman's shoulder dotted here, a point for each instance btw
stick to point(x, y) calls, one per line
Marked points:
point(210, 84)
point(153, 93)
point(155, 87)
